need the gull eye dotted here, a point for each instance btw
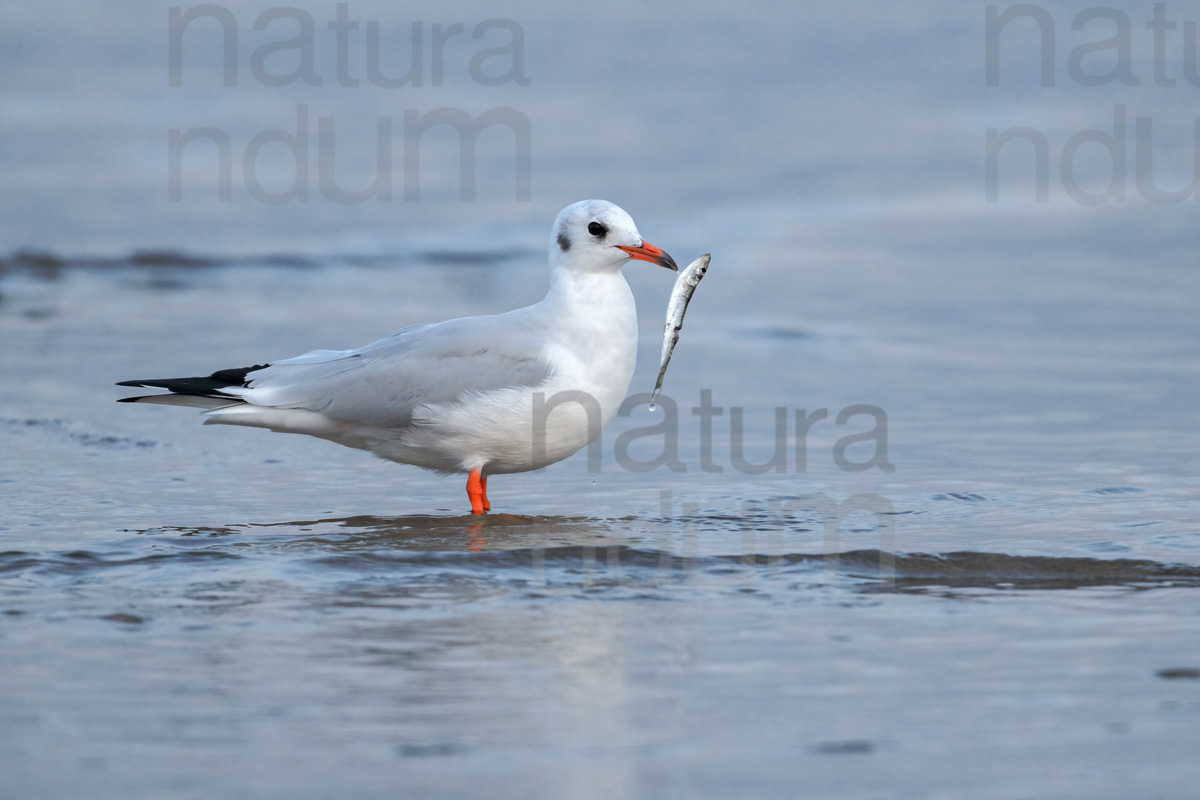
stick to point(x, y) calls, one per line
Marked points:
point(596, 229)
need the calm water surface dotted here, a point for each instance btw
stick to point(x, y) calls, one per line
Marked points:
point(194, 611)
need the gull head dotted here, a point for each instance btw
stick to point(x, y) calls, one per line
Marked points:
point(597, 236)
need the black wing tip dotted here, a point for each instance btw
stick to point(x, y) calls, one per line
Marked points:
point(132, 399)
point(210, 386)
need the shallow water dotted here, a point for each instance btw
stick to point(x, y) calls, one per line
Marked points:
point(997, 595)
point(201, 611)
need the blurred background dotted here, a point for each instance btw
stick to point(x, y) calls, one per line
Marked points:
point(978, 221)
point(765, 124)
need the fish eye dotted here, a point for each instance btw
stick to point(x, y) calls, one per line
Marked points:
point(596, 229)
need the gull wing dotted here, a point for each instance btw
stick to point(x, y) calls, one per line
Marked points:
point(383, 383)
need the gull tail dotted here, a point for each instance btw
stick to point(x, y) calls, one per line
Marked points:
point(194, 392)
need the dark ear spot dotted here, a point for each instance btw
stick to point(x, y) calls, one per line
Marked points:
point(563, 241)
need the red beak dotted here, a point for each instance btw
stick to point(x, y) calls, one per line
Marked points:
point(648, 252)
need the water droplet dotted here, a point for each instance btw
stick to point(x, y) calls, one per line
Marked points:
point(652, 406)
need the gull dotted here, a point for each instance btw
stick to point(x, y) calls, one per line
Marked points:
point(480, 395)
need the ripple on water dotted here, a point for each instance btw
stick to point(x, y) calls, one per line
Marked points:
point(353, 559)
point(964, 497)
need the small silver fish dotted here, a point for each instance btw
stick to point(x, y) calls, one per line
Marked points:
point(681, 295)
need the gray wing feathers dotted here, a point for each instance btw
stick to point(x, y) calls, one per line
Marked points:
point(385, 382)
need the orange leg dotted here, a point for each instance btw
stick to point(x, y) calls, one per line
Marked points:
point(487, 506)
point(477, 492)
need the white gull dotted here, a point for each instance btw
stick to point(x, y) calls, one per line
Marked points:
point(481, 395)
